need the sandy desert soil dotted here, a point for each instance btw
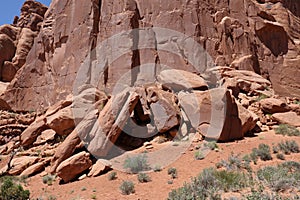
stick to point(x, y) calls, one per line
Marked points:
point(187, 167)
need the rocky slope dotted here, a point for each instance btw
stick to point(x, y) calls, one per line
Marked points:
point(69, 81)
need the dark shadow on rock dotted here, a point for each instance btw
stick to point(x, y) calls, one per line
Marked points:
point(275, 38)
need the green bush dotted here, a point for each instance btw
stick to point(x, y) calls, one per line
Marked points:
point(112, 176)
point(143, 178)
point(279, 178)
point(48, 179)
point(127, 187)
point(12, 191)
point(289, 147)
point(263, 152)
point(285, 129)
point(199, 155)
point(137, 164)
point(280, 156)
point(212, 145)
point(210, 184)
point(172, 172)
point(157, 168)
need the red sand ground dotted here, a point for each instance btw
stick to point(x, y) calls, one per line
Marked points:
point(158, 188)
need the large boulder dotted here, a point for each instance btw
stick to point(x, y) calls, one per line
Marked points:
point(69, 169)
point(272, 105)
point(181, 80)
point(214, 113)
point(108, 127)
point(290, 118)
point(65, 150)
point(34, 169)
point(165, 111)
point(248, 119)
point(7, 49)
point(62, 122)
point(31, 133)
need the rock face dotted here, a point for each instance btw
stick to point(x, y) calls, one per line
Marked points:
point(234, 34)
point(16, 40)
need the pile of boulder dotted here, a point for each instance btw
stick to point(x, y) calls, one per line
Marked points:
point(74, 137)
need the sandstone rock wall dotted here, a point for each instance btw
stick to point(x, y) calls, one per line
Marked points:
point(17, 39)
point(257, 35)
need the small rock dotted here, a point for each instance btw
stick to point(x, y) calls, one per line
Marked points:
point(82, 177)
point(99, 167)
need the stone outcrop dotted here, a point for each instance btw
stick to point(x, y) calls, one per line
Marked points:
point(234, 35)
point(16, 40)
point(108, 74)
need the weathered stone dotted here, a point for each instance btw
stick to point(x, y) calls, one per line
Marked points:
point(165, 112)
point(65, 150)
point(181, 80)
point(62, 122)
point(214, 113)
point(18, 165)
point(272, 105)
point(248, 119)
point(47, 135)
point(31, 133)
point(69, 169)
point(111, 120)
point(34, 169)
point(290, 118)
point(99, 167)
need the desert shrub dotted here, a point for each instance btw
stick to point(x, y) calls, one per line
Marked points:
point(261, 97)
point(48, 179)
point(127, 187)
point(275, 149)
point(285, 129)
point(112, 176)
point(51, 197)
point(12, 191)
point(280, 156)
point(291, 165)
point(210, 184)
point(261, 195)
point(235, 162)
point(279, 178)
point(263, 152)
point(199, 155)
point(157, 168)
point(172, 172)
point(288, 147)
point(143, 178)
point(137, 164)
point(231, 180)
point(212, 145)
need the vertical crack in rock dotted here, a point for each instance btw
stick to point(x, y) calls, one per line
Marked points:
point(134, 24)
point(96, 9)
